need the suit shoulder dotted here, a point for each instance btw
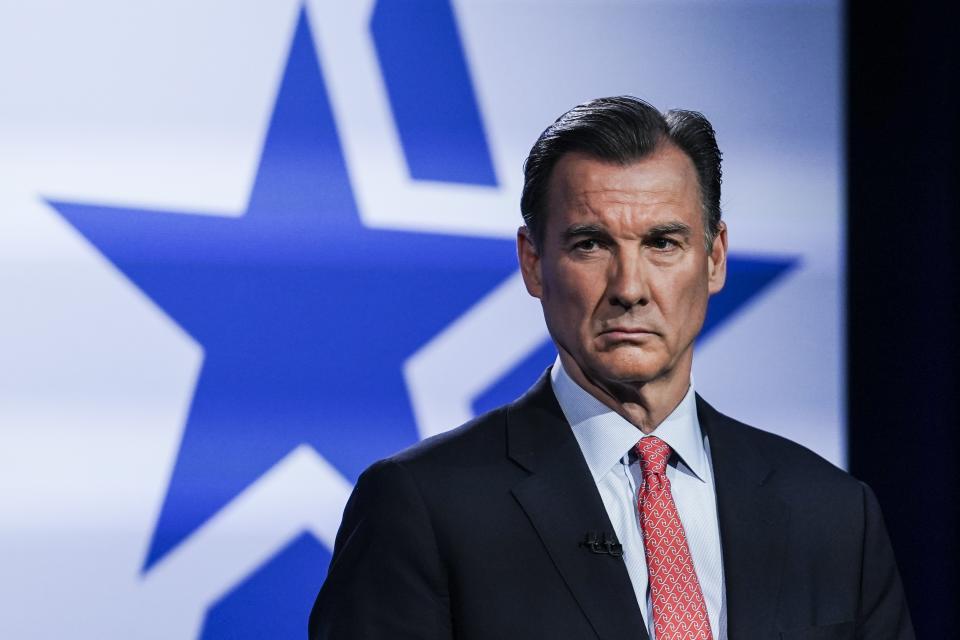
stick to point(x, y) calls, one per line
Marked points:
point(786, 455)
point(484, 438)
point(474, 440)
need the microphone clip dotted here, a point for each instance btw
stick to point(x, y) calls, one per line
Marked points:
point(602, 544)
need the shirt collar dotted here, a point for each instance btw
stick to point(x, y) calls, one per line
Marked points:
point(605, 437)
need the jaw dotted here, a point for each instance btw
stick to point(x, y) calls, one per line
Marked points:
point(627, 373)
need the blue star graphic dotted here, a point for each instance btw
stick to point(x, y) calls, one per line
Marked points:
point(304, 314)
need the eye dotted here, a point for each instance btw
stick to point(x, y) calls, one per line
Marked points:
point(662, 243)
point(587, 245)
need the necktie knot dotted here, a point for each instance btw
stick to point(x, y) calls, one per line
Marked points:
point(654, 454)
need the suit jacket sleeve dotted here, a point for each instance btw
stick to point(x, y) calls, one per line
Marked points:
point(385, 578)
point(883, 610)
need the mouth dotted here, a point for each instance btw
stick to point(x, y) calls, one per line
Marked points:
point(628, 334)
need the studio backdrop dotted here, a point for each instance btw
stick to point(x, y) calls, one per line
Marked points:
point(248, 248)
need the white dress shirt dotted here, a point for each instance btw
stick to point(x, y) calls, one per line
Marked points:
point(606, 440)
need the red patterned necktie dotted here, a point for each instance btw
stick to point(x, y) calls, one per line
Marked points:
point(679, 611)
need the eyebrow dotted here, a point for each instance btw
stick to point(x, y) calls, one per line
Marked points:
point(670, 228)
point(596, 231)
point(585, 230)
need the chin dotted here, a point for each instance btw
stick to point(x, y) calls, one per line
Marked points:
point(629, 367)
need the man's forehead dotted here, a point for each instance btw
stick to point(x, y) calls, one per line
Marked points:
point(661, 185)
point(665, 173)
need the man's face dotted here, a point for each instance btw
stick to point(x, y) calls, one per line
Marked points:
point(622, 271)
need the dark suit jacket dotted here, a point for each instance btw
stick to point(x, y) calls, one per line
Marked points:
point(475, 534)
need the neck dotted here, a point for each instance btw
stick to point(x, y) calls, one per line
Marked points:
point(643, 404)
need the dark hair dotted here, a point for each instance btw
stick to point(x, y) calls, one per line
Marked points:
point(622, 129)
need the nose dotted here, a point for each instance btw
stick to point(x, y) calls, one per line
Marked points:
point(627, 285)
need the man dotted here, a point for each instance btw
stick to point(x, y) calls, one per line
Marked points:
point(611, 501)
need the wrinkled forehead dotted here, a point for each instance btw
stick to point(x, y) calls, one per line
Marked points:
point(661, 181)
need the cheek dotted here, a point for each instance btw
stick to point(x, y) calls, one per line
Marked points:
point(571, 284)
point(682, 297)
point(570, 297)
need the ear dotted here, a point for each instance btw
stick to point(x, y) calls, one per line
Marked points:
point(717, 261)
point(529, 257)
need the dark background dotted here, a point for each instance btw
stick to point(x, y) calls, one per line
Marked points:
point(903, 170)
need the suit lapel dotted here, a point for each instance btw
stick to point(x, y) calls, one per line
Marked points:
point(563, 504)
point(753, 524)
